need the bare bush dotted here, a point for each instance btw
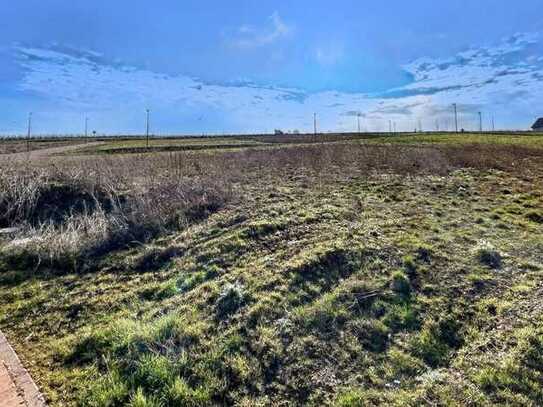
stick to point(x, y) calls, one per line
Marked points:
point(72, 213)
point(19, 191)
point(63, 246)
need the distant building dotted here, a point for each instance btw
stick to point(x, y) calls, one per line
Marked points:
point(538, 125)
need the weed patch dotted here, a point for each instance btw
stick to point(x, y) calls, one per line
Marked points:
point(231, 299)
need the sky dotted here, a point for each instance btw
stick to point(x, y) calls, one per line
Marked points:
point(216, 67)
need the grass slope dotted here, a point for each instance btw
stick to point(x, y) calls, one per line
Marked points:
point(336, 287)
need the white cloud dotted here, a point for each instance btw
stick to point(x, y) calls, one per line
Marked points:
point(495, 80)
point(329, 54)
point(248, 36)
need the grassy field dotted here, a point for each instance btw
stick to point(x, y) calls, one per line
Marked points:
point(139, 145)
point(131, 145)
point(389, 271)
point(170, 144)
point(526, 139)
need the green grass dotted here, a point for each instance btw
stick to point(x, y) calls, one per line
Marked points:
point(235, 143)
point(529, 140)
point(164, 144)
point(347, 290)
point(124, 145)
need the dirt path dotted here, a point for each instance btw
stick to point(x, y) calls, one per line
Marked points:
point(17, 389)
point(46, 152)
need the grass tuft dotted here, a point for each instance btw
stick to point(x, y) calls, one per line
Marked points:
point(400, 284)
point(230, 300)
point(488, 255)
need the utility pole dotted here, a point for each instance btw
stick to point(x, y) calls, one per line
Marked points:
point(29, 131)
point(86, 127)
point(455, 117)
point(358, 117)
point(480, 122)
point(394, 127)
point(315, 126)
point(147, 129)
point(390, 126)
point(493, 127)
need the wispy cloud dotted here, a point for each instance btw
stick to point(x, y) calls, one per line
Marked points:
point(505, 80)
point(248, 36)
point(329, 54)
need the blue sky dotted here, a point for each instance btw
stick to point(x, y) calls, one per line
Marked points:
point(253, 66)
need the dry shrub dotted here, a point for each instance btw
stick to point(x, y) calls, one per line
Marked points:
point(43, 195)
point(77, 241)
point(19, 192)
point(79, 209)
point(69, 215)
point(333, 159)
point(64, 246)
point(488, 156)
point(176, 202)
